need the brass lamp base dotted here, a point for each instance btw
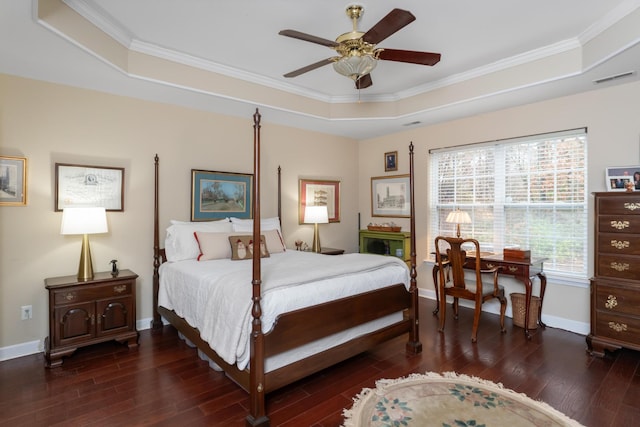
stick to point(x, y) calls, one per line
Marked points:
point(85, 269)
point(316, 239)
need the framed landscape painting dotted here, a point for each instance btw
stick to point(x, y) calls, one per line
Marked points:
point(13, 181)
point(216, 195)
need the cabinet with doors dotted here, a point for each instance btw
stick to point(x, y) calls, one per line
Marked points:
point(87, 312)
point(615, 287)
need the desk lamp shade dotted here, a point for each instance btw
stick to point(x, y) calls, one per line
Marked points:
point(458, 217)
point(316, 215)
point(84, 221)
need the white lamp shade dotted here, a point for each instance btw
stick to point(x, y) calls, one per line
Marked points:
point(84, 221)
point(316, 215)
point(458, 217)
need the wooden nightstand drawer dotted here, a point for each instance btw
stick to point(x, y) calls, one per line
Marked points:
point(618, 266)
point(622, 205)
point(618, 327)
point(610, 243)
point(89, 293)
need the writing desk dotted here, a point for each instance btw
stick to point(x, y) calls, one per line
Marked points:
point(522, 269)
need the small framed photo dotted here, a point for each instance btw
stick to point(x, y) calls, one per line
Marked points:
point(89, 186)
point(216, 195)
point(391, 196)
point(314, 192)
point(391, 161)
point(619, 178)
point(13, 181)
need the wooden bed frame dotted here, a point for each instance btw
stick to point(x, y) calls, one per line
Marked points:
point(302, 326)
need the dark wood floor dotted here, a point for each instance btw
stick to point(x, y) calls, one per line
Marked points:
point(164, 383)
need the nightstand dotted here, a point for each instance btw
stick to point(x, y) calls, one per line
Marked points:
point(331, 251)
point(87, 312)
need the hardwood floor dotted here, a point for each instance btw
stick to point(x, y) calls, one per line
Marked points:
point(163, 383)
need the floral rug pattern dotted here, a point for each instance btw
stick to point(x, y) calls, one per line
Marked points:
point(448, 400)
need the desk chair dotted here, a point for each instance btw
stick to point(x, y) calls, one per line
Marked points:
point(452, 262)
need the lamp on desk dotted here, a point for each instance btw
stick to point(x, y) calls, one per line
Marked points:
point(84, 221)
point(316, 215)
point(458, 217)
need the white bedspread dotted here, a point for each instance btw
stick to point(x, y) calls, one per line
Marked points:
point(215, 296)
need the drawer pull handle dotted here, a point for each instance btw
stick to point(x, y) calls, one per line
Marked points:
point(70, 296)
point(119, 289)
point(620, 266)
point(618, 327)
point(512, 269)
point(620, 225)
point(620, 244)
point(632, 206)
point(612, 302)
point(489, 265)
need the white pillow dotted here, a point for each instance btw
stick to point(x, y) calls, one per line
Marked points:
point(180, 242)
point(275, 242)
point(213, 245)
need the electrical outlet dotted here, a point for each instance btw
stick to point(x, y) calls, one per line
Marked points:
point(26, 312)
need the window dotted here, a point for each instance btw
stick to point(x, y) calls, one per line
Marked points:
point(527, 192)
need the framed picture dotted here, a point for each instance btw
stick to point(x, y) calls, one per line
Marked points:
point(217, 195)
point(319, 193)
point(617, 178)
point(390, 196)
point(13, 181)
point(89, 186)
point(391, 161)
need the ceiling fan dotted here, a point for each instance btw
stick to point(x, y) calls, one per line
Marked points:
point(358, 54)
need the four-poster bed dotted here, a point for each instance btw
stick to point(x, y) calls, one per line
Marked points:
point(377, 311)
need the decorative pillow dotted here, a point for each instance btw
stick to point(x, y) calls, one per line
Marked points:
point(213, 245)
point(274, 242)
point(180, 242)
point(242, 247)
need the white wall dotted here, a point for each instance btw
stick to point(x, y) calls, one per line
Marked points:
point(611, 116)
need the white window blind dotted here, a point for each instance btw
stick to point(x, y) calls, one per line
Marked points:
point(527, 192)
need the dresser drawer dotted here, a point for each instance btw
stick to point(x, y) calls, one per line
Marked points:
point(611, 298)
point(90, 293)
point(618, 327)
point(628, 244)
point(625, 224)
point(626, 205)
point(618, 266)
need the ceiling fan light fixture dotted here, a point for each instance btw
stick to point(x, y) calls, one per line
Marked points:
point(355, 67)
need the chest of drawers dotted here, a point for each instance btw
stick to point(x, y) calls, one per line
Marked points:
point(615, 287)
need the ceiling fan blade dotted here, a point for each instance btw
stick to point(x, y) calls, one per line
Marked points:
point(394, 21)
point(308, 38)
point(364, 82)
point(423, 58)
point(309, 67)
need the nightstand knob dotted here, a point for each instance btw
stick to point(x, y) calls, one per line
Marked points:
point(618, 327)
point(70, 296)
point(119, 289)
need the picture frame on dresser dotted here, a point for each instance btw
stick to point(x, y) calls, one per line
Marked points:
point(217, 195)
point(13, 181)
point(617, 178)
point(89, 186)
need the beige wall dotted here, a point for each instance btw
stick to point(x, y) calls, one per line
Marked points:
point(49, 123)
point(611, 116)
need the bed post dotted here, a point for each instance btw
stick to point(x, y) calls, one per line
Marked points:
point(414, 346)
point(257, 415)
point(156, 322)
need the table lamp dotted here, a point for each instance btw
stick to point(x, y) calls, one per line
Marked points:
point(458, 217)
point(316, 215)
point(84, 221)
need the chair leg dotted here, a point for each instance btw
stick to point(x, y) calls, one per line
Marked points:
point(443, 309)
point(503, 309)
point(476, 321)
point(455, 308)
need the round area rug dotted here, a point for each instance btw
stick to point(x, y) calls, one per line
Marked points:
point(448, 399)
